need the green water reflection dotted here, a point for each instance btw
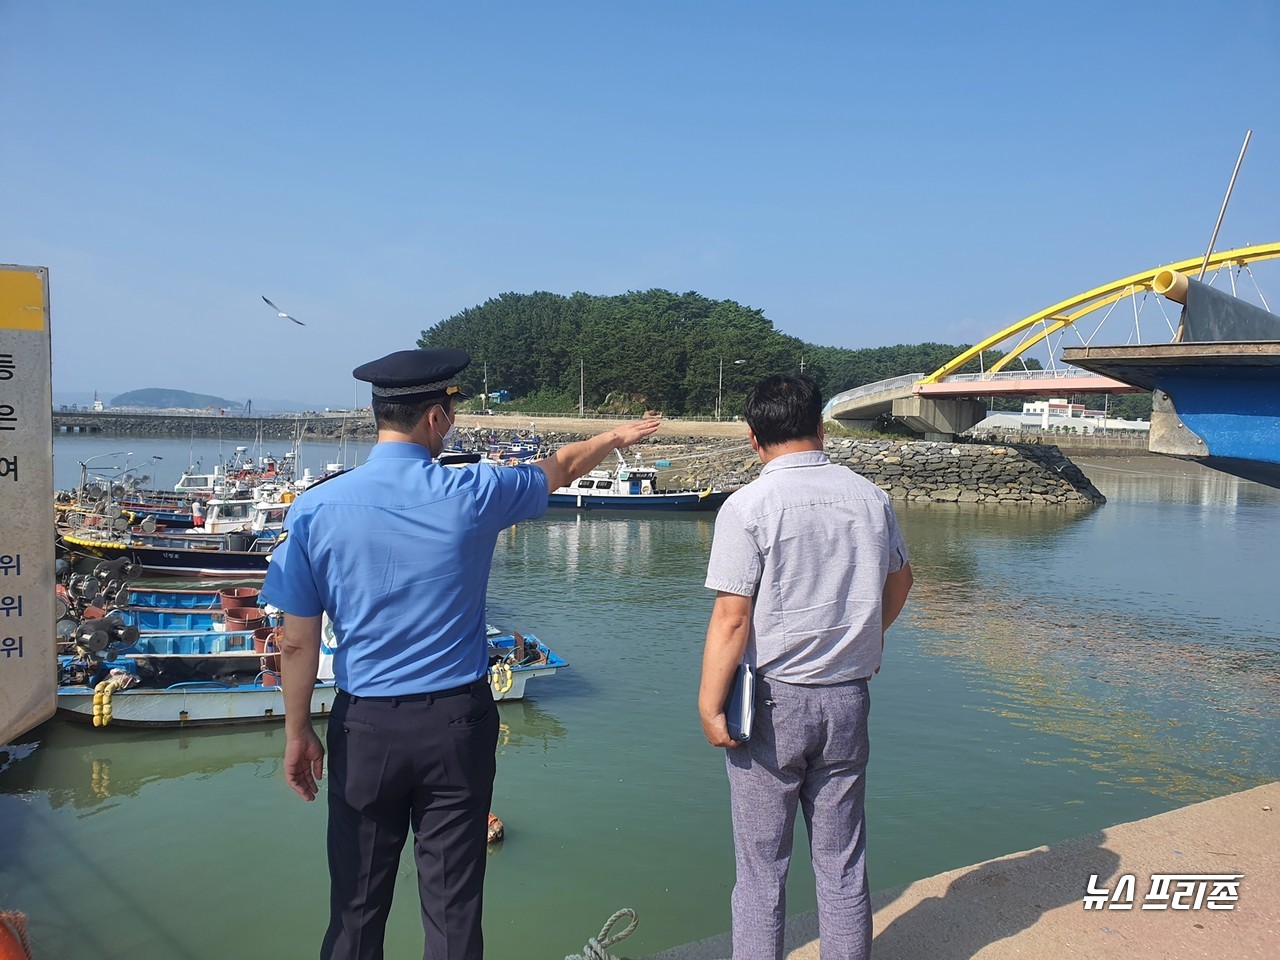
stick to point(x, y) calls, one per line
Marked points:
point(1057, 671)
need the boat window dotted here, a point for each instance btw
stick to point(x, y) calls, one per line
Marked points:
point(586, 484)
point(604, 484)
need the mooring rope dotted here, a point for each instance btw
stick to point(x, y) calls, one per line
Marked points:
point(597, 946)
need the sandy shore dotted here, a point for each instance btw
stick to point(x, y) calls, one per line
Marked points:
point(710, 429)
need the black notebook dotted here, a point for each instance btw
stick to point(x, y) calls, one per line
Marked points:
point(740, 708)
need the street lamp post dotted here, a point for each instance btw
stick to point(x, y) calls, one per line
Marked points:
point(720, 386)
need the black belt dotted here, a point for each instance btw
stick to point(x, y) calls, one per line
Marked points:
point(475, 686)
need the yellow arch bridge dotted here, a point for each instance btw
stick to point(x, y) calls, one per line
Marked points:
point(943, 403)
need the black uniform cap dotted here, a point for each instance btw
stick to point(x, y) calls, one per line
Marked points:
point(408, 376)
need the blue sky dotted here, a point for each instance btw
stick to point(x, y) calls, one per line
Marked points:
point(864, 175)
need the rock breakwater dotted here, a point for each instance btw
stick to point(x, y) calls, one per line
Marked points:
point(929, 472)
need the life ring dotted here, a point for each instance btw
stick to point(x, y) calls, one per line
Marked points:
point(501, 678)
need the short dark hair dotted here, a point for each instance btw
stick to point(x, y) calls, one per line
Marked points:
point(784, 407)
point(404, 416)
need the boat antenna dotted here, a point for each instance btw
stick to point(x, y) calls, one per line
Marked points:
point(1225, 200)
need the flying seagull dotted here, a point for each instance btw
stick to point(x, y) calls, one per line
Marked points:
point(281, 314)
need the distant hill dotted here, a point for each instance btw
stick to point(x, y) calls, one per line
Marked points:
point(681, 353)
point(158, 398)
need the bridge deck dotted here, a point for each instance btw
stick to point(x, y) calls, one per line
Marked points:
point(1023, 386)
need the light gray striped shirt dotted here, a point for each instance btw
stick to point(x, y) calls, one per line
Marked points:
point(812, 542)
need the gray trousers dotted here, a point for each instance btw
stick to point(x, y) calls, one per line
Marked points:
point(809, 746)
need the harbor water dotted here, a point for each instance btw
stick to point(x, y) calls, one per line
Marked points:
point(1056, 671)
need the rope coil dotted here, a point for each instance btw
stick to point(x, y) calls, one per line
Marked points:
point(596, 948)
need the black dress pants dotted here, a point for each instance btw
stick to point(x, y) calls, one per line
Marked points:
point(426, 761)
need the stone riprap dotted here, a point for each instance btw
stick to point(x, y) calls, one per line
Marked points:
point(929, 472)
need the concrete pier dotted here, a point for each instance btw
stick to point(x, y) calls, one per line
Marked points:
point(1031, 904)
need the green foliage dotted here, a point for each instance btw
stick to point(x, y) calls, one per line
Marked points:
point(886, 428)
point(161, 398)
point(1123, 406)
point(660, 350)
point(542, 401)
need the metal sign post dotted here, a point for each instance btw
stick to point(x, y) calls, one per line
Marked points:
point(28, 675)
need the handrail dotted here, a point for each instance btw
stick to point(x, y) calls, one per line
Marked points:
point(1064, 374)
point(868, 389)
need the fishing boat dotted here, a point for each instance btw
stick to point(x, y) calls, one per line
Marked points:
point(187, 703)
point(514, 658)
point(240, 474)
point(632, 487)
point(226, 556)
point(174, 658)
point(519, 449)
point(114, 673)
point(260, 514)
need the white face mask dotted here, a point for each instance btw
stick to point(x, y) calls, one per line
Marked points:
point(451, 432)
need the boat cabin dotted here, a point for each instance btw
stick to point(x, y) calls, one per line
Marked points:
point(625, 482)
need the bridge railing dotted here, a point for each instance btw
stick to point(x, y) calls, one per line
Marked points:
point(870, 389)
point(1065, 373)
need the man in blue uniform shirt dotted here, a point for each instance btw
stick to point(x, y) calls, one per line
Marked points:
point(397, 552)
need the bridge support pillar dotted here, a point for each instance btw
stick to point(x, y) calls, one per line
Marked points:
point(939, 419)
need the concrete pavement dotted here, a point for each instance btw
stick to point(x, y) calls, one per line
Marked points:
point(1030, 904)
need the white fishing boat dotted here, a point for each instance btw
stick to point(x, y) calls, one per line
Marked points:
point(632, 487)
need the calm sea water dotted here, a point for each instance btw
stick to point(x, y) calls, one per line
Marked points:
point(1055, 672)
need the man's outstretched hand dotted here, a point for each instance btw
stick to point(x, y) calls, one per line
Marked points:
point(635, 431)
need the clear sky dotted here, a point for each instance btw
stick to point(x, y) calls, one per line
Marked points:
point(864, 174)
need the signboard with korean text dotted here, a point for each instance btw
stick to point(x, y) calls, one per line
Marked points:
point(28, 674)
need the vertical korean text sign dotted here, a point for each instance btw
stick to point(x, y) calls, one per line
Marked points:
point(28, 675)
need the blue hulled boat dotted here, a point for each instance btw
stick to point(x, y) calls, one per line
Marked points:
point(173, 662)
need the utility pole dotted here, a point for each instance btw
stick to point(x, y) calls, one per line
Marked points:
point(486, 385)
point(582, 382)
point(719, 389)
point(720, 384)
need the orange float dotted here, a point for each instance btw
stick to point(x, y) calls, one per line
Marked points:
point(13, 936)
